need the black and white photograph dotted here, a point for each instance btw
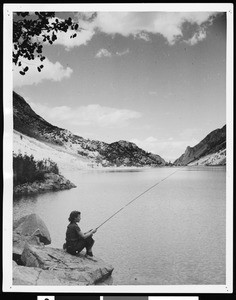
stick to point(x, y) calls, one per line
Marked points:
point(118, 138)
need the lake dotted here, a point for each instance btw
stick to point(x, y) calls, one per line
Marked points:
point(172, 235)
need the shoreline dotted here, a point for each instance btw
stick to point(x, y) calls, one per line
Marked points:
point(52, 182)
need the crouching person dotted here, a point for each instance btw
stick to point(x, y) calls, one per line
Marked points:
point(76, 240)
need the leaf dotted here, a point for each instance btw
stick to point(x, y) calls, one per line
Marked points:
point(54, 37)
point(69, 21)
point(22, 73)
point(26, 69)
point(36, 25)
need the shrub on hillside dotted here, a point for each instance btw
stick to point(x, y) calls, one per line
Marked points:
point(27, 169)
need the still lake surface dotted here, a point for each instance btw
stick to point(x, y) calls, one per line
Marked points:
point(173, 235)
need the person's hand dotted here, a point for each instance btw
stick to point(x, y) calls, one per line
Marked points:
point(92, 231)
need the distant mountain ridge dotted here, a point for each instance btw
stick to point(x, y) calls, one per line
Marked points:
point(211, 150)
point(120, 153)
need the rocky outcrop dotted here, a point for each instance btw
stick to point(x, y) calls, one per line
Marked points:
point(63, 268)
point(37, 264)
point(121, 153)
point(31, 229)
point(52, 182)
point(213, 143)
point(33, 276)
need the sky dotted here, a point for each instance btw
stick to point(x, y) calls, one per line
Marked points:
point(157, 79)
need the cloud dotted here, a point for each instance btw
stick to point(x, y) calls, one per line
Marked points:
point(198, 36)
point(90, 115)
point(82, 38)
point(51, 71)
point(143, 36)
point(103, 52)
point(138, 24)
point(169, 149)
point(122, 52)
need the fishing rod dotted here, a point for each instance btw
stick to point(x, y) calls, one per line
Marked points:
point(154, 185)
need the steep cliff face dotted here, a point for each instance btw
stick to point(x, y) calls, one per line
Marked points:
point(27, 121)
point(121, 153)
point(214, 143)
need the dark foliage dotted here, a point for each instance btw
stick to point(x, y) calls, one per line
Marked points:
point(31, 30)
point(27, 170)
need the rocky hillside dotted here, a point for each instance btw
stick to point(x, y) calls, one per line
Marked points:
point(121, 153)
point(210, 151)
point(129, 154)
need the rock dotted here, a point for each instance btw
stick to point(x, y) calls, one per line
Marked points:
point(40, 265)
point(58, 182)
point(51, 266)
point(32, 229)
point(52, 182)
point(33, 276)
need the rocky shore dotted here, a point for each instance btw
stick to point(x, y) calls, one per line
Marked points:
point(52, 182)
point(34, 263)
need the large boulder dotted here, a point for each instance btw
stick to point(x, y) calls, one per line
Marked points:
point(30, 229)
point(51, 266)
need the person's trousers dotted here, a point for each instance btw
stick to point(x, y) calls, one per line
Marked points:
point(79, 245)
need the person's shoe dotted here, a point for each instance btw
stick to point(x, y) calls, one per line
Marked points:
point(89, 253)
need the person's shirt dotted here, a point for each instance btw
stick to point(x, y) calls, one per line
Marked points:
point(72, 232)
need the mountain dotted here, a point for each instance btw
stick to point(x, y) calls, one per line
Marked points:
point(210, 151)
point(40, 133)
point(126, 153)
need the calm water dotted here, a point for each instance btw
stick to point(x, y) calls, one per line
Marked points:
point(174, 234)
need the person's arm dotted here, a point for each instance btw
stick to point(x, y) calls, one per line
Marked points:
point(87, 234)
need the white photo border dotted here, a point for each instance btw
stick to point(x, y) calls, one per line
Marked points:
point(8, 146)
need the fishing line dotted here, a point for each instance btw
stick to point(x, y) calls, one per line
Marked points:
point(136, 198)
